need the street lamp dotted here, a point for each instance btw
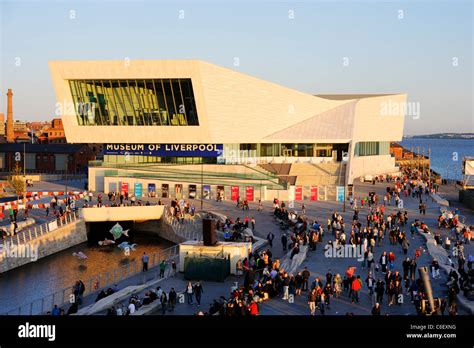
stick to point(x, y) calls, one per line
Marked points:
point(202, 181)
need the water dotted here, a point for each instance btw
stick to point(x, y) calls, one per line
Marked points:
point(446, 154)
point(56, 272)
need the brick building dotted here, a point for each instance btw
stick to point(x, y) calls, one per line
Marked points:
point(46, 158)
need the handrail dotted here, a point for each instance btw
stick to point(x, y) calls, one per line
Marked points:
point(189, 229)
point(33, 232)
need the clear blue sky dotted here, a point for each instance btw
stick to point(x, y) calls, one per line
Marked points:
point(413, 55)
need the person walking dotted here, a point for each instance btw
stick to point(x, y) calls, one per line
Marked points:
point(405, 245)
point(384, 261)
point(162, 268)
point(370, 283)
point(145, 259)
point(270, 237)
point(163, 301)
point(379, 290)
point(198, 291)
point(173, 268)
point(284, 241)
point(252, 223)
point(312, 296)
point(189, 293)
point(172, 296)
point(355, 287)
point(306, 274)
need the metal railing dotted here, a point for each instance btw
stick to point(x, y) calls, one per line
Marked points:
point(189, 227)
point(94, 284)
point(30, 233)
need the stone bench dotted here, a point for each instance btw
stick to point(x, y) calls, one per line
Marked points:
point(440, 200)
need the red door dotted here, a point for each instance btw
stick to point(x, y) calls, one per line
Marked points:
point(234, 193)
point(298, 193)
point(124, 187)
point(314, 193)
point(249, 193)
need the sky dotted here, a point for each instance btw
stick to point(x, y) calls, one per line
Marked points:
point(421, 48)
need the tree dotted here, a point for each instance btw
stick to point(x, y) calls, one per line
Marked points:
point(16, 181)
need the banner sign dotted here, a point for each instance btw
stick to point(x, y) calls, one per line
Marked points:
point(249, 193)
point(206, 191)
point(164, 190)
point(234, 193)
point(138, 189)
point(151, 188)
point(124, 187)
point(314, 193)
point(192, 191)
point(164, 150)
point(340, 193)
point(298, 193)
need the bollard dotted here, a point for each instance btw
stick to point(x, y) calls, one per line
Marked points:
point(427, 284)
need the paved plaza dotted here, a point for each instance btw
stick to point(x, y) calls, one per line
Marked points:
point(316, 262)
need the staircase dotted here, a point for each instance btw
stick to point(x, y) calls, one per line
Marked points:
point(307, 174)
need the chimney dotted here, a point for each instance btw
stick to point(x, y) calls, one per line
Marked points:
point(9, 126)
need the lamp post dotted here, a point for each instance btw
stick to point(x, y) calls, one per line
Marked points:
point(24, 172)
point(429, 167)
point(202, 181)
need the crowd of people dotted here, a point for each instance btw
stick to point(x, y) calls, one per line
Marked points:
point(386, 230)
point(386, 280)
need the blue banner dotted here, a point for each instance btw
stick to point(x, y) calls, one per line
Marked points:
point(165, 150)
point(340, 193)
point(138, 189)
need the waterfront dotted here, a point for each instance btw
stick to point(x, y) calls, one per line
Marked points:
point(444, 153)
point(56, 272)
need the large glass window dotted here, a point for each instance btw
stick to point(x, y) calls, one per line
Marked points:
point(157, 102)
point(372, 148)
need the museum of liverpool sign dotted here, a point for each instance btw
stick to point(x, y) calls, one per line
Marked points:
point(165, 150)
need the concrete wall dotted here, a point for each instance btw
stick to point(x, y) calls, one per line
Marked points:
point(48, 244)
point(132, 213)
point(233, 250)
point(370, 165)
point(161, 228)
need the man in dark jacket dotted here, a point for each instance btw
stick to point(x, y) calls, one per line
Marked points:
point(172, 299)
point(198, 291)
point(376, 309)
point(284, 241)
point(305, 275)
point(379, 290)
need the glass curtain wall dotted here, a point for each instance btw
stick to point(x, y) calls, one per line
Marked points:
point(158, 102)
point(372, 148)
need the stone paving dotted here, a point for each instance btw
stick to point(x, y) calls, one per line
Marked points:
point(316, 262)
